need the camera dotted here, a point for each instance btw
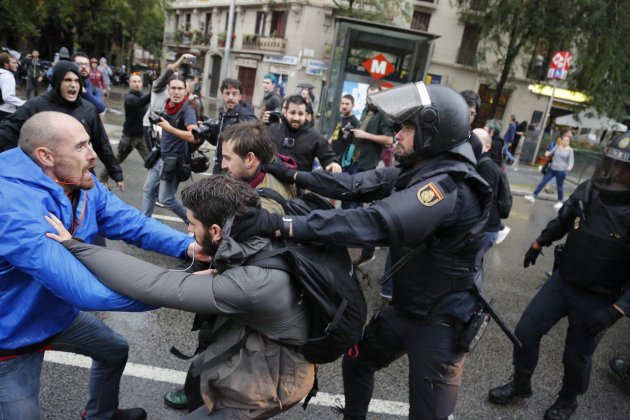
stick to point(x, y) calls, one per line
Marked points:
point(288, 142)
point(207, 130)
point(346, 132)
point(274, 116)
point(156, 117)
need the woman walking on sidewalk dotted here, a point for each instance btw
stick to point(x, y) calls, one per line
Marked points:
point(562, 163)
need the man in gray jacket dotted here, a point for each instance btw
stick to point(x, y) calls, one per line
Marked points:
point(258, 309)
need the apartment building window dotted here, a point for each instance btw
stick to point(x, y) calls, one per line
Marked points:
point(420, 20)
point(176, 22)
point(227, 17)
point(261, 20)
point(187, 27)
point(468, 49)
point(208, 23)
point(278, 23)
point(486, 93)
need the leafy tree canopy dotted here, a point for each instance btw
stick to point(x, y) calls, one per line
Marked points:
point(593, 30)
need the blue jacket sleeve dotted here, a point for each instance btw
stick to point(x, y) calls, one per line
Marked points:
point(118, 220)
point(96, 100)
point(27, 249)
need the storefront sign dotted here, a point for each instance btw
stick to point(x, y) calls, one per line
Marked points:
point(289, 60)
point(315, 67)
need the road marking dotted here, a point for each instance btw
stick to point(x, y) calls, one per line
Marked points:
point(169, 218)
point(177, 377)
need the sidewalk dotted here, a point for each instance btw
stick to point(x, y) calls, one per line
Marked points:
point(524, 178)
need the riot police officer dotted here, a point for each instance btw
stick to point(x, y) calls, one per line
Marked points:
point(588, 287)
point(432, 211)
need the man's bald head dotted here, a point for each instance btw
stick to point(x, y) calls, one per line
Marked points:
point(45, 129)
point(484, 137)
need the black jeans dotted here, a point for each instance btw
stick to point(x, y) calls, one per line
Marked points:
point(554, 301)
point(435, 367)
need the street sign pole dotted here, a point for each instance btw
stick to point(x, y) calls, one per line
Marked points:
point(544, 120)
point(558, 69)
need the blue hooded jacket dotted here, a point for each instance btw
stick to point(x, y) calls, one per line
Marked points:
point(42, 286)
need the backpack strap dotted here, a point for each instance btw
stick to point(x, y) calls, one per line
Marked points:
point(271, 259)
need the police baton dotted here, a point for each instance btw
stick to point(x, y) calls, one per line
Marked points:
point(486, 307)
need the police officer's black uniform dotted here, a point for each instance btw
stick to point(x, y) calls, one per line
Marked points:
point(438, 202)
point(588, 287)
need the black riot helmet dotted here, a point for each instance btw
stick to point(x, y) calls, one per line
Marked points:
point(439, 114)
point(612, 174)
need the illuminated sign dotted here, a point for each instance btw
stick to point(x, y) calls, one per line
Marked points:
point(567, 95)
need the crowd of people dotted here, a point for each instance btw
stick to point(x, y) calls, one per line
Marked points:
point(437, 210)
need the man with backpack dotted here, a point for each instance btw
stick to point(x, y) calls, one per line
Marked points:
point(252, 367)
point(432, 212)
point(245, 147)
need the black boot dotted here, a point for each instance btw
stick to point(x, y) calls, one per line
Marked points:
point(562, 409)
point(520, 387)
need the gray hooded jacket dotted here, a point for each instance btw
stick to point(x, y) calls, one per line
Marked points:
point(260, 303)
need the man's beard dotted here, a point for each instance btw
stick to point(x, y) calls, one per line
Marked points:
point(208, 246)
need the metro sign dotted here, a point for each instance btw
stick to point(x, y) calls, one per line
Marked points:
point(559, 66)
point(379, 67)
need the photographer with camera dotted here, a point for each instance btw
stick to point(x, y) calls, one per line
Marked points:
point(177, 121)
point(234, 111)
point(341, 136)
point(293, 138)
point(159, 95)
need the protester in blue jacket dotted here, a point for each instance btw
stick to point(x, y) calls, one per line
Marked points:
point(43, 289)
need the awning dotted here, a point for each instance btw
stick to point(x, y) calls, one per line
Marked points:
point(590, 119)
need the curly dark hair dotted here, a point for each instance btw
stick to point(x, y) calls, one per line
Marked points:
point(215, 199)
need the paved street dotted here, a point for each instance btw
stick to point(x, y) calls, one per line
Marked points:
point(152, 370)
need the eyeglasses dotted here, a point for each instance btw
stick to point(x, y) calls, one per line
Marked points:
point(93, 62)
point(83, 64)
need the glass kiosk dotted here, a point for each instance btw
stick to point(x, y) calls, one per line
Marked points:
point(364, 53)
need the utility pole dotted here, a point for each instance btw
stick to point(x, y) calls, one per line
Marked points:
point(543, 122)
point(228, 41)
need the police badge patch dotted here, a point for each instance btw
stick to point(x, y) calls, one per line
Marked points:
point(429, 195)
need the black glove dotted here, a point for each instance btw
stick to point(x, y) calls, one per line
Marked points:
point(257, 222)
point(280, 171)
point(601, 320)
point(530, 256)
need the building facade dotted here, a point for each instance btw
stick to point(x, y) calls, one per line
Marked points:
point(293, 39)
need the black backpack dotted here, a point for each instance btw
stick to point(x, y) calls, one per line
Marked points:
point(329, 284)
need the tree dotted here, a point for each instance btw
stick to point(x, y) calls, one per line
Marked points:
point(20, 20)
point(89, 25)
point(509, 28)
point(593, 30)
point(601, 66)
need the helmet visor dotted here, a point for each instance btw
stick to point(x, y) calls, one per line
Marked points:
point(402, 102)
point(612, 175)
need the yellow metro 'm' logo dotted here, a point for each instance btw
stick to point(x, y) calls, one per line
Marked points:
point(429, 195)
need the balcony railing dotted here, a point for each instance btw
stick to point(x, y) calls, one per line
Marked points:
point(256, 42)
point(186, 39)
